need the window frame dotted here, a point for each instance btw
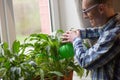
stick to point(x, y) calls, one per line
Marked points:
point(7, 21)
point(54, 14)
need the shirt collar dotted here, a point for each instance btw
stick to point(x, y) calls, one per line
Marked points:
point(110, 24)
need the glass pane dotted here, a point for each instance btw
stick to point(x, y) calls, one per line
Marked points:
point(28, 17)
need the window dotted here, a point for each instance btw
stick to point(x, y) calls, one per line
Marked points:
point(31, 16)
point(12, 12)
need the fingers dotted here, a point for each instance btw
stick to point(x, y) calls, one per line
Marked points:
point(69, 36)
point(65, 41)
point(65, 38)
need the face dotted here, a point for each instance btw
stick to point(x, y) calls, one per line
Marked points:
point(91, 12)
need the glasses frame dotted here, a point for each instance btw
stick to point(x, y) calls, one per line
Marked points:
point(89, 9)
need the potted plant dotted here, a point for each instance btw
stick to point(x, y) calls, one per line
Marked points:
point(14, 64)
point(44, 50)
point(38, 58)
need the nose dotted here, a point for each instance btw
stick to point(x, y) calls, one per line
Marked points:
point(85, 16)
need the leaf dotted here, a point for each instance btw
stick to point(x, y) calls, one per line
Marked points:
point(44, 36)
point(12, 73)
point(5, 45)
point(5, 51)
point(41, 74)
point(79, 70)
point(87, 72)
point(18, 71)
point(2, 72)
point(1, 54)
point(33, 35)
point(39, 36)
point(7, 64)
point(32, 63)
point(56, 73)
point(86, 44)
point(2, 59)
point(16, 46)
point(60, 31)
point(25, 39)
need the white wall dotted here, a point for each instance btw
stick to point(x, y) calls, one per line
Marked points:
point(69, 17)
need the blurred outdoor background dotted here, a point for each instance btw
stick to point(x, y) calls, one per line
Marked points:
point(28, 17)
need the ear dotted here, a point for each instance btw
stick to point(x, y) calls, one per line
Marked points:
point(101, 8)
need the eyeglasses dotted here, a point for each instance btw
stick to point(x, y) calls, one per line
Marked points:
point(90, 8)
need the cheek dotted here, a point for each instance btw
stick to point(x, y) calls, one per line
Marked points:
point(93, 23)
point(93, 20)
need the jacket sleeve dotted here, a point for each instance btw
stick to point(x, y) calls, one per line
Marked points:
point(89, 33)
point(99, 54)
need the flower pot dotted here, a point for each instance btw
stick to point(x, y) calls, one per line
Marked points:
point(66, 77)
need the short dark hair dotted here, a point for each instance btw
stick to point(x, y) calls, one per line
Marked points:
point(108, 2)
point(100, 1)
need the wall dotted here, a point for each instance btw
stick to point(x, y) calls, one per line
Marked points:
point(68, 15)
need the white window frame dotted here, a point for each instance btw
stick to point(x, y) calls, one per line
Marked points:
point(7, 22)
point(54, 14)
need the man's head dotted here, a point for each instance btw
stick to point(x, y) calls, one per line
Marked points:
point(97, 11)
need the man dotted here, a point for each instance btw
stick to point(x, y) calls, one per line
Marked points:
point(103, 58)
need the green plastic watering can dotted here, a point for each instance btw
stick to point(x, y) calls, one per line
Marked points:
point(66, 50)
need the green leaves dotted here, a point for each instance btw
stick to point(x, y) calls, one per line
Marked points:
point(5, 45)
point(37, 56)
point(3, 72)
point(15, 73)
point(5, 50)
point(56, 73)
point(16, 46)
point(79, 70)
point(12, 61)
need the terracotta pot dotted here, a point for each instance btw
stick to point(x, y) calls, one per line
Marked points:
point(66, 77)
point(38, 78)
point(69, 77)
